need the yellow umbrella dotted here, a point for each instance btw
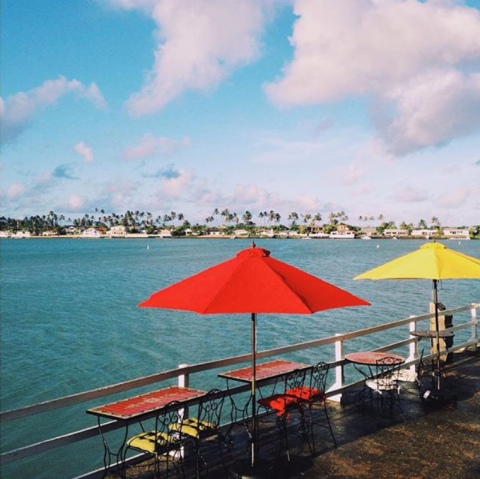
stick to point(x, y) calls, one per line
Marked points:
point(431, 261)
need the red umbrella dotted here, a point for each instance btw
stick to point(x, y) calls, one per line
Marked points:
point(252, 282)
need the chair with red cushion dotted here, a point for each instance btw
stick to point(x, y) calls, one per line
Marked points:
point(284, 404)
point(312, 395)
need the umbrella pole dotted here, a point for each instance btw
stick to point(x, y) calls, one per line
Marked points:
point(437, 327)
point(253, 391)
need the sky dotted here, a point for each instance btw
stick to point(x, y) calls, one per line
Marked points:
point(364, 106)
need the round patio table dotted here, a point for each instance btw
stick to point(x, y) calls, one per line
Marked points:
point(370, 358)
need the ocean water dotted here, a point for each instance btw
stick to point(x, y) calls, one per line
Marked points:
point(69, 322)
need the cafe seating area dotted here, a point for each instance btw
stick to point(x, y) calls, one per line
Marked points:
point(193, 436)
point(363, 444)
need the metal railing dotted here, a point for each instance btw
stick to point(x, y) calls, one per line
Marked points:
point(184, 371)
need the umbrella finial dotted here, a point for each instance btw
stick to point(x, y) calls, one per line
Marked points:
point(253, 244)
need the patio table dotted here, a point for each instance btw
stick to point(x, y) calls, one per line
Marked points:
point(271, 370)
point(135, 409)
point(369, 359)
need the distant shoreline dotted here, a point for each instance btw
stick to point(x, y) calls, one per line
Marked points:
point(218, 237)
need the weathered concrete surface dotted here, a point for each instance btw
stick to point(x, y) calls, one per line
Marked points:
point(435, 441)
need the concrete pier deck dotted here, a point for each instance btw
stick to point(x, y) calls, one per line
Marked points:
point(434, 441)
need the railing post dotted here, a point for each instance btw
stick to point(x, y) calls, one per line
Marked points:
point(339, 373)
point(412, 347)
point(183, 382)
point(474, 337)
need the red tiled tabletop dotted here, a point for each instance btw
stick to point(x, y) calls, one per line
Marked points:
point(145, 403)
point(267, 370)
point(370, 357)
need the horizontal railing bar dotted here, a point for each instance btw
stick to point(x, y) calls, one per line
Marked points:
point(158, 377)
point(115, 388)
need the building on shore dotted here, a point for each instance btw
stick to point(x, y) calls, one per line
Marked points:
point(368, 231)
point(241, 233)
point(456, 233)
point(395, 233)
point(117, 231)
point(425, 233)
point(91, 233)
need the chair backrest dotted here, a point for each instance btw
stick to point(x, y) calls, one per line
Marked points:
point(387, 371)
point(295, 380)
point(210, 407)
point(318, 378)
point(171, 414)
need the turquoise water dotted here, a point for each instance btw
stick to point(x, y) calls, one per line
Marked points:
point(70, 322)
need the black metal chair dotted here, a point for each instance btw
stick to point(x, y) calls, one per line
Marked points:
point(163, 443)
point(384, 386)
point(204, 429)
point(284, 404)
point(314, 395)
point(410, 381)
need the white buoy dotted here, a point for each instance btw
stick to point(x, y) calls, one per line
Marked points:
point(148, 247)
point(378, 246)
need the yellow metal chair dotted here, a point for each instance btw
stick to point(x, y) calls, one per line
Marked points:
point(204, 429)
point(164, 443)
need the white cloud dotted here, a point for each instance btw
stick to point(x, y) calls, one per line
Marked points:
point(85, 151)
point(176, 185)
point(410, 194)
point(391, 51)
point(306, 202)
point(75, 203)
point(151, 145)
point(200, 43)
point(18, 110)
point(348, 175)
point(431, 110)
point(15, 190)
point(251, 196)
point(458, 197)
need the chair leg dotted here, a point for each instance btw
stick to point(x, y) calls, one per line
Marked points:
point(311, 430)
point(329, 423)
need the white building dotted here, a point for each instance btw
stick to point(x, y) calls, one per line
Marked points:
point(91, 233)
point(396, 233)
point(456, 233)
point(424, 233)
point(119, 230)
point(241, 233)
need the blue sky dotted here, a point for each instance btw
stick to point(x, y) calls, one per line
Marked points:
point(366, 106)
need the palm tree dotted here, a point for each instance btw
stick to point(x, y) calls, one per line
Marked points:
point(422, 224)
point(247, 217)
point(293, 218)
point(215, 212)
point(306, 217)
point(332, 218)
point(271, 216)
